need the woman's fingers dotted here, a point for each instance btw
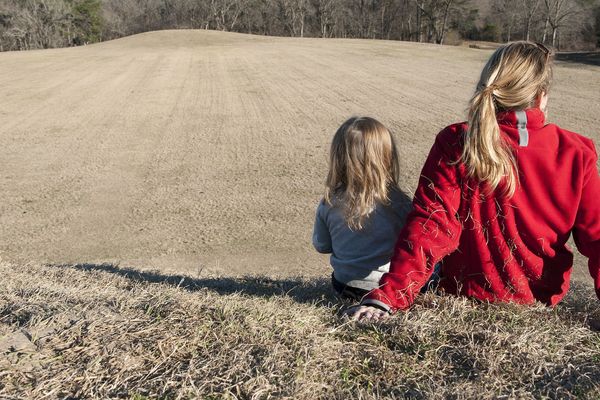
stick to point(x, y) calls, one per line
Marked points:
point(364, 314)
point(375, 315)
point(352, 312)
point(380, 315)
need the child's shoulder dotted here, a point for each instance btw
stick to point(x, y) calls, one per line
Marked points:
point(398, 196)
point(324, 207)
point(400, 202)
point(322, 204)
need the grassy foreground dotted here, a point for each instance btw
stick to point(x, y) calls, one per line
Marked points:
point(98, 331)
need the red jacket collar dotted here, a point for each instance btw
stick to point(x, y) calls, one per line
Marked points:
point(535, 118)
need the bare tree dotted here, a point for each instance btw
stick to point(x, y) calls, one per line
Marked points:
point(386, 19)
point(296, 12)
point(226, 13)
point(421, 4)
point(558, 13)
point(507, 14)
point(28, 24)
point(435, 14)
point(324, 13)
point(530, 8)
point(447, 6)
point(38, 24)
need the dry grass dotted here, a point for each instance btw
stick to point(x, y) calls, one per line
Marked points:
point(179, 144)
point(98, 331)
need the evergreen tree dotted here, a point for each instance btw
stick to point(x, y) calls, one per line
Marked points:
point(86, 20)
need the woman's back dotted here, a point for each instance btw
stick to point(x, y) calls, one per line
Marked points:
point(514, 248)
point(500, 195)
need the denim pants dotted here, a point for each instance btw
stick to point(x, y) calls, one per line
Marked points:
point(352, 293)
point(347, 292)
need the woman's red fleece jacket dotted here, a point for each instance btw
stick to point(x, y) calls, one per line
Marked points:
point(496, 248)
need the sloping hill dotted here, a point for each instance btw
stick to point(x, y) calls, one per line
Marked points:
point(96, 331)
point(201, 155)
point(199, 150)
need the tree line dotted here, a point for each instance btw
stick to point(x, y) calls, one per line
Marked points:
point(564, 24)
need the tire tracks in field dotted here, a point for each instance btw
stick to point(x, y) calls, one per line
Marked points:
point(53, 205)
point(158, 214)
point(181, 148)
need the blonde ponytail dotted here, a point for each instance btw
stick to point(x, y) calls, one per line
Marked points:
point(512, 80)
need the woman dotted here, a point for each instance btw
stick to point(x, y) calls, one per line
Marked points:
point(498, 198)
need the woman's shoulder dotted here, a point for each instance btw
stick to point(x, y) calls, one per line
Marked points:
point(457, 128)
point(449, 141)
point(571, 138)
point(453, 133)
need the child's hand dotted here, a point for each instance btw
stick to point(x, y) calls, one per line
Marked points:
point(365, 314)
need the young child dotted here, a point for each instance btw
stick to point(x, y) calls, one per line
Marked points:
point(363, 210)
point(499, 197)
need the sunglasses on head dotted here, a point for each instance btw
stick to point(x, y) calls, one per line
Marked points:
point(545, 49)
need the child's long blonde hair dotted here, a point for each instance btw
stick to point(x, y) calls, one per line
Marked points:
point(512, 80)
point(363, 168)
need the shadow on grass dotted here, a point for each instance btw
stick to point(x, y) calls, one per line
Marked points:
point(579, 304)
point(300, 290)
point(590, 58)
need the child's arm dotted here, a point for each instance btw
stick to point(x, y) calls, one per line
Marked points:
point(432, 230)
point(586, 230)
point(321, 238)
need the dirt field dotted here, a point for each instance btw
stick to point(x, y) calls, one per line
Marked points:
point(205, 152)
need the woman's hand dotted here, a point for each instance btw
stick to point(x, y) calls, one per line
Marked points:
point(365, 314)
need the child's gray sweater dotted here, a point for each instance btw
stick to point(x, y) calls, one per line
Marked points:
point(360, 258)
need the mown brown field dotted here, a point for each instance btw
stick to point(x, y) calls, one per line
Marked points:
point(201, 155)
point(190, 150)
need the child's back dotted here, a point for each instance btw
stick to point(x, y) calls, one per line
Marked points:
point(360, 257)
point(362, 211)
